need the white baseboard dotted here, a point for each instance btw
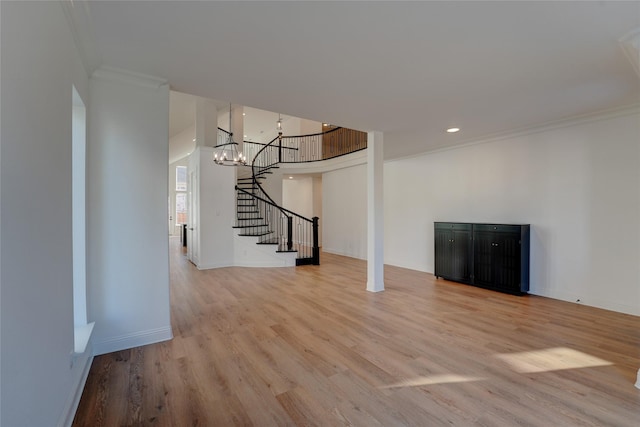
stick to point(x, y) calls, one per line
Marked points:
point(587, 300)
point(135, 339)
point(71, 406)
point(289, 261)
point(214, 265)
point(343, 253)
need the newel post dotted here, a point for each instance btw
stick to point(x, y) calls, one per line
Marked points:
point(316, 248)
point(289, 233)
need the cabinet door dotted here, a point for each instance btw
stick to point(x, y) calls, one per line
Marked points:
point(461, 255)
point(453, 253)
point(483, 258)
point(506, 261)
point(497, 260)
point(442, 253)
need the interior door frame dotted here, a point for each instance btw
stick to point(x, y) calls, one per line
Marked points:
point(192, 217)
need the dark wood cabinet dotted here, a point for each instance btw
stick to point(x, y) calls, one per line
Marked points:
point(496, 256)
point(453, 256)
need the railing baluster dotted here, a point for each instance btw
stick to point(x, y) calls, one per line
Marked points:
point(294, 149)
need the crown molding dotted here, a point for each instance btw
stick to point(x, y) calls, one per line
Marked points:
point(630, 44)
point(81, 26)
point(128, 77)
point(626, 110)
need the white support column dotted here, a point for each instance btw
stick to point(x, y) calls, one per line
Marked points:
point(375, 210)
point(206, 123)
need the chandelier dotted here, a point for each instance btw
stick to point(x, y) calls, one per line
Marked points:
point(227, 154)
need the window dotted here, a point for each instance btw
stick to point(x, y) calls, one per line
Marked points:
point(181, 195)
point(181, 208)
point(181, 178)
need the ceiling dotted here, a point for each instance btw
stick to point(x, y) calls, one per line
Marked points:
point(408, 69)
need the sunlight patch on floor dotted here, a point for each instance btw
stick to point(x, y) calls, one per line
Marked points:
point(434, 379)
point(550, 359)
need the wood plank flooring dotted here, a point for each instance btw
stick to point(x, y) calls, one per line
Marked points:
point(308, 346)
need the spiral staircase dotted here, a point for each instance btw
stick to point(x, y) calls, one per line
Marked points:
point(259, 216)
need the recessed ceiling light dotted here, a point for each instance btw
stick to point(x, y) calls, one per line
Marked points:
point(194, 140)
point(453, 130)
point(244, 114)
point(290, 177)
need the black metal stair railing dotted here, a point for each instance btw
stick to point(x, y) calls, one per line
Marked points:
point(274, 225)
point(310, 148)
point(313, 147)
point(260, 216)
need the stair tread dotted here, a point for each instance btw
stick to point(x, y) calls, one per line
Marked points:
point(273, 241)
point(247, 214)
point(256, 234)
point(244, 179)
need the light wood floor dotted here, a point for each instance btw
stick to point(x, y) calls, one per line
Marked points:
point(309, 346)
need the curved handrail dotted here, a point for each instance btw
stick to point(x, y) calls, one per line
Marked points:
point(253, 173)
point(324, 132)
point(270, 202)
point(268, 157)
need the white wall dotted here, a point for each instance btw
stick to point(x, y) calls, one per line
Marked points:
point(40, 64)
point(578, 187)
point(182, 144)
point(272, 185)
point(297, 195)
point(308, 127)
point(344, 211)
point(217, 209)
point(128, 258)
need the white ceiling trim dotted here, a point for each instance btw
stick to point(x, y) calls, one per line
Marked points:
point(612, 113)
point(81, 26)
point(128, 77)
